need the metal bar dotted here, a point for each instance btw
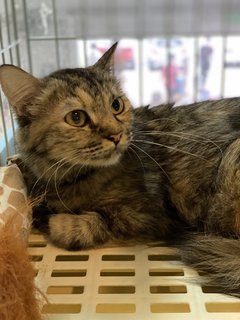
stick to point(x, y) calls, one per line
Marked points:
point(3, 125)
point(2, 51)
point(8, 30)
point(11, 57)
point(13, 44)
point(139, 13)
point(50, 38)
point(15, 31)
point(27, 34)
point(167, 75)
point(4, 128)
point(83, 23)
point(140, 55)
point(196, 63)
point(85, 52)
point(56, 34)
point(223, 75)
point(15, 34)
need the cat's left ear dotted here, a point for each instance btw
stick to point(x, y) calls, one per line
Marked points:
point(18, 86)
point(106, 62)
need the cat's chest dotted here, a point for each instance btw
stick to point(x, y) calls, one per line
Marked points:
point(72, 197)
point(80, 194)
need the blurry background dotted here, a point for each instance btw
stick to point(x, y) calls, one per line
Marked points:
point(169, 51)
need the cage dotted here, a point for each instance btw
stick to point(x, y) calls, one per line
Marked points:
point(204, 40)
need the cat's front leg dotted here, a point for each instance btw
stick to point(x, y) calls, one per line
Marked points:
point(75, 232)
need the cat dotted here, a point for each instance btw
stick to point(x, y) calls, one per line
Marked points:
point(106, 171)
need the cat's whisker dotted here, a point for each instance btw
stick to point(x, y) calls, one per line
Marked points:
point(22, 161)
point(181, 135)
point(165, 119)
point(69, 169)
point(203, 138)
point(172, 148)
point(59, 164)
point(134, 145)
point(85, 164)
point(55, 179)
point(175, 134)
point(50, 177)
point(130, 148)
point(57, 192)
point(42, 175)
point(196, 136)
point(73, 158)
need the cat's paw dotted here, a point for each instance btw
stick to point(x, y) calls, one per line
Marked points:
point(77, 232)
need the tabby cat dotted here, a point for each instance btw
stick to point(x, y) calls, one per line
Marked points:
point(106, 171)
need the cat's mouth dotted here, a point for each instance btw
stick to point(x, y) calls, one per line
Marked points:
point(109, 156)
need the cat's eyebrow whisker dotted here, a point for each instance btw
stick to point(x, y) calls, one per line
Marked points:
point(134, 145)
point(183, 135)
point(172, 148)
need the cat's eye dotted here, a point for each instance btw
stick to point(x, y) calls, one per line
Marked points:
point(76, 118)
point(117, 106)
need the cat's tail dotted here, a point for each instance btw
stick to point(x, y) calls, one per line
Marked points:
point(216, 257)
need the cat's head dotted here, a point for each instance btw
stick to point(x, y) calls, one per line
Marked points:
point(77, 116)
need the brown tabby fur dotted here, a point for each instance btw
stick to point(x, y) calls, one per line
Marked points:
point(174, 173)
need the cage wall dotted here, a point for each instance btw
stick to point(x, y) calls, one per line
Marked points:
point(168, 51)
point(181, 51)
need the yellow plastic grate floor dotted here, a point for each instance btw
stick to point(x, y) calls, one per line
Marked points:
point(132, 283)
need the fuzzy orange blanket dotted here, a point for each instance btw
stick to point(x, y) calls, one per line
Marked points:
point(18, 294)
point(17, 290)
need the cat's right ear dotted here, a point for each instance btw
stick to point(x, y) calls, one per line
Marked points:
point(106, 62)
point(18, 86)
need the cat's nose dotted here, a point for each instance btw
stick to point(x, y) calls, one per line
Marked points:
point(115, 138)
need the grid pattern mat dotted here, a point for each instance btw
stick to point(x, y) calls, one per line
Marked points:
point(133, 283)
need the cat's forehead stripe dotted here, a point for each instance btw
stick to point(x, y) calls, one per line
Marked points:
point(84, 96)
point(80, 78)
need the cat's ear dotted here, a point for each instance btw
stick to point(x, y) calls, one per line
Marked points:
point(18, 86)
point(106, 62)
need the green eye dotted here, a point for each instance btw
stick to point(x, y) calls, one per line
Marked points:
point(117, 106)
point(76, 118)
